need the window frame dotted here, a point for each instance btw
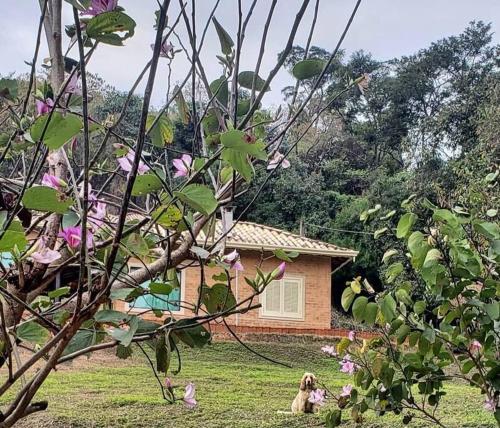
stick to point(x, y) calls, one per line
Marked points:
point(288, 316)
point(133, 309)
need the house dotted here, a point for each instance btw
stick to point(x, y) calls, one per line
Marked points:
point(298, 303)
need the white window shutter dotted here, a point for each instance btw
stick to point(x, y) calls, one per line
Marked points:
point(272, 303)
point(291, 297)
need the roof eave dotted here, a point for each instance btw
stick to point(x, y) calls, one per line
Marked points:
point(311, 251)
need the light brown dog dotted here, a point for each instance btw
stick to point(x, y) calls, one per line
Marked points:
point(301, 402)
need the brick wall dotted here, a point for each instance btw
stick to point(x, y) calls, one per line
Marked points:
point(315, 271)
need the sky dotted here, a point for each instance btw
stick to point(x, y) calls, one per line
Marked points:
point(386, 28)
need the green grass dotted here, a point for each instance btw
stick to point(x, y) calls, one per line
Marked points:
point(234, 389)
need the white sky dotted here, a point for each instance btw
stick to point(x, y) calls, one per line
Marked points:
point(386, 28)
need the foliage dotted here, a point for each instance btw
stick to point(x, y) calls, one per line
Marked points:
point(451, 332)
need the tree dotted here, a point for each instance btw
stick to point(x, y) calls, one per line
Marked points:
point(54, 128)
point(450, 332)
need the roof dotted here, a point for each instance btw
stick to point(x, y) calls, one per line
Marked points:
point(253, 236)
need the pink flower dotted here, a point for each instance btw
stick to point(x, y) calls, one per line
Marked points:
point(279, 272)
point(100, 6)
point(96, 215)
point(352, 335)
point(346, 390)
point(168, 383)
point(43, 106)
point(127, 161)
point(188, 398)
point(347, 366)
point(167, 49)
point(53, 181)
point(275, 161)
point(233, 260)
point(475, 347)
point(330, 350)
point(73, 236)
point(182, 165)
point(72, 86)
point(44, 254)
point(317, 396)
point(489, 404)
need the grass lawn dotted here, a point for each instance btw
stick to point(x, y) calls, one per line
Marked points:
point(234, 389)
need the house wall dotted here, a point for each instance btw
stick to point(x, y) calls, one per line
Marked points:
point(314, 270)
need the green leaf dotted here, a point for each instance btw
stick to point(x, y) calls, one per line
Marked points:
point(162, 288)
point(371, 312)
point(198, 197)
point(402, 332)
point(32, 332)
point(493, 310)
point(379, 232)
point(489, 230)
point(221, 89)
point(359, 307)
point(59, 292)
point(287, 256)
point(388, 308)
point(308, 68)
point(388, 254)
point(46, 199)
point(121, 293)
point(405, 224)
point(123, 352)
point(218, 298)
point(137, 245)
point(333, 418)
point(163, 353)
point(125, 336)
point(419, 307)
point(111, 316)
point(239, 162)
point(111, 27)
point(347, 298)
point(145, 184)
point(192, 334)
point(393, 272)
point(492, 212)
point(162, 132)
point(59, 130)
point(235, 139)
point(226, 43)
point(83, 339)
point(167, 216)
point(245, 79)
point(8, 89)
point(14, 235)
point(429, 334)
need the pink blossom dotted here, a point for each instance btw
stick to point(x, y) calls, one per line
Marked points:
point(330, 350)
point(43, 254)
point(317, 396)
point(352, 335)
point(279, 272)
point(475, 347)
point(233, 260)
point(43, 106)
point(127, 161)
point(53, 181)
point(275, 161)
point(96, 215)
point(73, 236)
point(489, 404)
point(347, 366)
point(346, 390)
point(168, 383)
point(182, 165)
point(72, 86)
point(167, 49)
point(188, 398)
point(100, 6)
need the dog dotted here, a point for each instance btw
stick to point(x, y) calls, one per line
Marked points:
point(301, 402)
